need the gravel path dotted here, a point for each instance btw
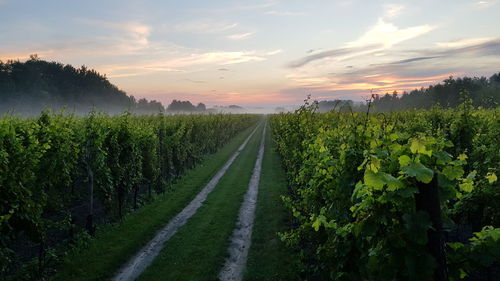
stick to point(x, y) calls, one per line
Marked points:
point(242, 235)
point(132, 269)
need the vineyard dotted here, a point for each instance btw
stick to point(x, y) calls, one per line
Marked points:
point(409, 195)
point(60, 173)
point(342, 195)
point(267, 140)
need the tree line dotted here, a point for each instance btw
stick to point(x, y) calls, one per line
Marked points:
point(483, 92)
point(31, 86)
point(178, 105)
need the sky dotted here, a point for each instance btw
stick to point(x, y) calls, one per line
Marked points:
point(263, 53)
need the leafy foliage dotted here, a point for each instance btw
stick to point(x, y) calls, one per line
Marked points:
point(355, 180)
point(49, 162)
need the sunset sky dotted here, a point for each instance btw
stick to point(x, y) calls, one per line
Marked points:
point(259, 53)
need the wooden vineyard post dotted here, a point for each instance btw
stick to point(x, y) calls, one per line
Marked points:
point(90, 218)
point(427, 200)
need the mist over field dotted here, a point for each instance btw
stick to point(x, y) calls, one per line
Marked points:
point(30, 87)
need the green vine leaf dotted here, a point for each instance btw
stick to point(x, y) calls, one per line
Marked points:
point(418, 146)
point(419, 171)
point(453, 172)
point(404, 160)
point(491, 177)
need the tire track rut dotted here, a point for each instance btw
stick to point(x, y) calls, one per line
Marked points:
point(242, 236)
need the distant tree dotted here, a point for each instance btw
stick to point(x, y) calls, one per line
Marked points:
point(178, 105)
point(325, 106)
point(201, 107)
point(495, 79)
point(279, 109)
point(155, 105)
point(145, 106)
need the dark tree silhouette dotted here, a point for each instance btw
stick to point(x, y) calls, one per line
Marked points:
point(33, 85)
point(201, 107)
point(185, 106)
point(450, 93)
point(325, 106)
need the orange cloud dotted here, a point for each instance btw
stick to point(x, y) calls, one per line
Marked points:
point(377, 83)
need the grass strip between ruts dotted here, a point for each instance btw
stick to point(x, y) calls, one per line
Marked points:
point(269, 258)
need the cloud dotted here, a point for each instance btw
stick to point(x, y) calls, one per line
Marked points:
point(380, 37)
point(126, 37)
point(414, 69)
point(154, 59)
point(182, 63)
point(474, 46)
point(404, 69)
point(139, 32)
point(335, 53)
point(410, 60)
point(311, 82)
point(132, 27)
point(195, 81)
point(129, 51)
point(119, 44)
point(222, 58)
point(445, 61)
point(393, 10)
point(284, 13)
point(389, 35)
point(240, 36)
point(481, 48)
point(275, 52)
point(485, 4)
point(201, 26)
point(363, 84)
point(463, 42)
point(239, 8)
point(346, 3)
point(121, 71)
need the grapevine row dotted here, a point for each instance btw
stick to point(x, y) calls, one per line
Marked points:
point(59, 171)
point(382, 196)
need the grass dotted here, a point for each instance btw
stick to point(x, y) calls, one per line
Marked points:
point(115, 244)
point(269, 259)
point(198, 250)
